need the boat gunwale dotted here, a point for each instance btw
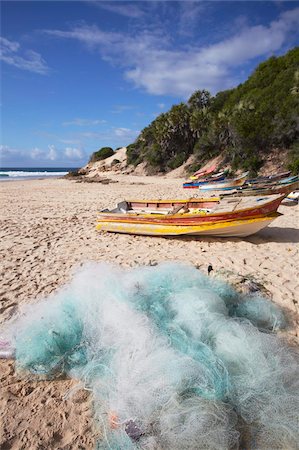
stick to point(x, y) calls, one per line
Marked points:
point(278, 197)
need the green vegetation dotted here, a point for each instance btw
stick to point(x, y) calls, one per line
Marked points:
point(103, 153)
point(294, 158)
point(242, 124)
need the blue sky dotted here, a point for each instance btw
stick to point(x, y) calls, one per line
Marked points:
point(80, 75)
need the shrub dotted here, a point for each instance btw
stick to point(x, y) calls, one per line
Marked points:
point(103, 153)
point(154, 157)
point(294, 158)
point(133, 154)
point(294, 166)
point(246, 160)
point(177, 161)
point(192, 168)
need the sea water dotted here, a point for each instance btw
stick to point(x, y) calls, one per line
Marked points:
point(27, 173)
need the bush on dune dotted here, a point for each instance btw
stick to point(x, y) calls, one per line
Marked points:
point(101, 154)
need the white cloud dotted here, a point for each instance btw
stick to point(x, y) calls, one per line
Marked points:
point(70, 141)
point(36, 153)
point(40, 156)
point(6, 153)
point(124, 9)
point(91, 135)
point(111, 136)
point(9, 46)
point(161, 105)
point(11, 154)
point(52, 153)
point(126, 133)
point(118, 109)
point(149, 61)
point(189, 14)
point(111, 43)
point(10, 53)
point(84, 122)
point(43, 155)
point(91, 36)
point(73, 153)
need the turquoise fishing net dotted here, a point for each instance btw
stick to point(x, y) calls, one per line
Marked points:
point(178, 359)
point(55, 342)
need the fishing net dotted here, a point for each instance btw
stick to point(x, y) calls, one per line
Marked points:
point(174, 359)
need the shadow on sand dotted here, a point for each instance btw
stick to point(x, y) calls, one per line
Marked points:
point(275, 234)
point(270, 234)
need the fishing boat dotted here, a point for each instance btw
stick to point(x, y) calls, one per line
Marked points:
point(294, 195)
point(270, 178)
point(263, 189)
point(206, 216)
point(202, 173)
point(217, 185)
point(269, 182)
point(234, 228)
point(216, 177)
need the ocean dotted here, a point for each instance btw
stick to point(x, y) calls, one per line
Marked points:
point(27, 173)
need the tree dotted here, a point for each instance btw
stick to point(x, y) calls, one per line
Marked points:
point(199, 100)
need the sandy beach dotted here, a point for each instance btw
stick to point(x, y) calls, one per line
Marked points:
point(48, 229)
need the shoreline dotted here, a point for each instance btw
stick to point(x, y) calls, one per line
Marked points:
point(48, 230)
point(9, 179)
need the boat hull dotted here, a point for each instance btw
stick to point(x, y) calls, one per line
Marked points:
point(272, 181)
point(234, 228)
point(294, 195)
point(217, 185)
point(270, 190)
point(270, 178)
point(202, 173)
point(204, 181)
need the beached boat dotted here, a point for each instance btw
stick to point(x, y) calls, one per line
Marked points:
point(192, 216)
point(217, 185)
point(263, 189)
point(269, 182)
point(294, 195)
point(270, 178)
point(211, 178)
point(203, 173)
point(232, 228)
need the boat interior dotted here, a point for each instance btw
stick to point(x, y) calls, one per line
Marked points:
point(191, 206)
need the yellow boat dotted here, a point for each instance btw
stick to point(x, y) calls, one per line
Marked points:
point(227, 228)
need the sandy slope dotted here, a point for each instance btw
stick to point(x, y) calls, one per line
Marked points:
point(48, 228)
